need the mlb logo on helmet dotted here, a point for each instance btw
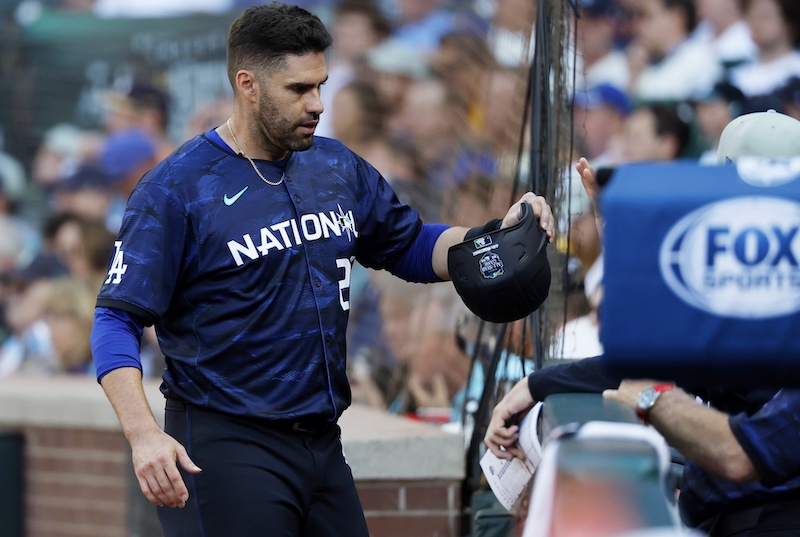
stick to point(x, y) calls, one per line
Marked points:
point(737, 257)
point(483, 242)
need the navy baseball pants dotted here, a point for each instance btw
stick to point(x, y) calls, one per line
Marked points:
point(261, 479)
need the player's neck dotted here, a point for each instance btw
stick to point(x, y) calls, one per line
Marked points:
point(237, 135)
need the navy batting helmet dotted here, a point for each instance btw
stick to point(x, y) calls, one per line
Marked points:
point(502, 275)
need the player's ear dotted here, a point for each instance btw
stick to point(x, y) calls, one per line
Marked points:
point(246, 84)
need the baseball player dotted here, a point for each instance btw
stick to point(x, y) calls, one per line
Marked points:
point(239, 247)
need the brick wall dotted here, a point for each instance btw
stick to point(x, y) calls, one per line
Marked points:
point(411, 508)
point(77, 484)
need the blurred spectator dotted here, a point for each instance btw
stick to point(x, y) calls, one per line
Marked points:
point(599, 116)
point(654, 133)
point(158, 8)
point(27, 347)
point(775, 29)
point(713, 111)
point(439, 368)
point(69, 313)
point(624, 34)
point(62, 150)
point(394, 66)
point(78, 5)
point(411, 184)
point(511, 32)
point(723, 28)
point(13, 181)
point(84, 246)
point(208, 115)
point(360, 124)
point(422, 23)
point(11, 245)
point(665, 65)
point(463, 61)
point(24, 240)
point(383, 361)
point(87, 192)
point(579, 337)
point(145, 107)
point(125, 157)
point(789, 96)
point(470, 202)
point(504, 103)
point(358, 27)
point(419, 329)
point(599, 60)
point(435, 121)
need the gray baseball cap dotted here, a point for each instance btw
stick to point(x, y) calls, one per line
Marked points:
point(767, 134)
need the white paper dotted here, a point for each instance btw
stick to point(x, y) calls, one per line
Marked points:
point(508, 479)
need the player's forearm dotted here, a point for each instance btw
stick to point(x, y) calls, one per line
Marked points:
point(450, 237)
point(703, 435)
point(124, 389)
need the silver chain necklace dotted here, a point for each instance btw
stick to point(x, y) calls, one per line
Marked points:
point(253, 164)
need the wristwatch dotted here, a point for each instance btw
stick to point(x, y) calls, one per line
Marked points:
point(648, 398)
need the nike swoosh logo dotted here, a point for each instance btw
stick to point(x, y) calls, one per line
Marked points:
point(231, 201)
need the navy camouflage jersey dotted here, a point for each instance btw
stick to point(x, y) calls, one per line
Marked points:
point(248, 283)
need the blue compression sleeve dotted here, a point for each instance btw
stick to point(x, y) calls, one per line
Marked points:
point(416, 263)
point(115, 340)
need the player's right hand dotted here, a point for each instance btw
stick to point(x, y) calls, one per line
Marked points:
point(502, 432)
point(156, 456)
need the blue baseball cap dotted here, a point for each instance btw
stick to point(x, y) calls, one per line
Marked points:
point(87, 176)
point(597, 8)
point(603, 95)
point(125, 151)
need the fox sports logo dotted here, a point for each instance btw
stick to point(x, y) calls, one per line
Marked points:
point(736, 258)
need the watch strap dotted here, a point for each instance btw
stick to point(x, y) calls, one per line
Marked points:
point(643, 410)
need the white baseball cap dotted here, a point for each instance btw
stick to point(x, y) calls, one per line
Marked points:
point(767, 134)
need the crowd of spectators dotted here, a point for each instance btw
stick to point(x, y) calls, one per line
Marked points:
point(432, 93)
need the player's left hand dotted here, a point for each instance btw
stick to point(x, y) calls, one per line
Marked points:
point(540, 208)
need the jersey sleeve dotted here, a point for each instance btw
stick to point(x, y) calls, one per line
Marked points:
point(388, 227)
point(115, 340)
point(770, 437)
point(148, 254)
point(588, 375)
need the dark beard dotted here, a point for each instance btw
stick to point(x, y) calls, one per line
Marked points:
point(279, 133)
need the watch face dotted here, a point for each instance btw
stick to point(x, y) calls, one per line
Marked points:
point(647, 398)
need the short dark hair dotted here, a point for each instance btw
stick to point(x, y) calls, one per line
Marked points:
point(669, 123)
point(790, 11)
point(264, 35)
point(379, 23)
point(689, 11)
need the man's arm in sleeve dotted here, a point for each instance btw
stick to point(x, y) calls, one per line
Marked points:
point(115, 346)
point(770, 437)
point(582, 376)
